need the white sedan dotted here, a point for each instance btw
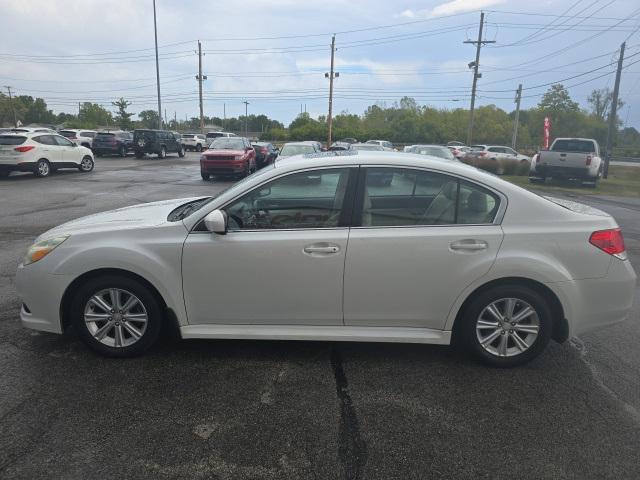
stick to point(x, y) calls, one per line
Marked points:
point(41, 153)
point(318, 248)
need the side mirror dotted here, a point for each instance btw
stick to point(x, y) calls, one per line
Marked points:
point(216, 222)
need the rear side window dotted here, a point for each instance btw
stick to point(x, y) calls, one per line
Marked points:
point(67, 133)
point(45, 140)
point(88, 134)
point(396, 197)
point(12, 140)
point(104, 136)
point(581, 146)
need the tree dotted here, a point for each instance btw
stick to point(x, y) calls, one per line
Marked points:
point(148, 119)
point(600, 101)
point(557, 99)
point(123, 118)
point(93, 115)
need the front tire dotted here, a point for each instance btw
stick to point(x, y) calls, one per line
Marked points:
point(43, 168)
point(86, 165)
point(181, 152)
point(162, 153)
point(122, 151)
point(205, 176)
point(507, 325)
point(116, 316)
point(198, 148)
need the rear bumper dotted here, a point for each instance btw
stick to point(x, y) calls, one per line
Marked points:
point(102, 149)
point(562, 172)
point(591, 304)
point(17, 167)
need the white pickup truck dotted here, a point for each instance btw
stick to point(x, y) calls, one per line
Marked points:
point(577, 158)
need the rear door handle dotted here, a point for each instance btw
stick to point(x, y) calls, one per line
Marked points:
point(321, 249)
point(468, 245)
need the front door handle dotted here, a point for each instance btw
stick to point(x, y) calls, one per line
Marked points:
point(321, 249)
point(468, 245)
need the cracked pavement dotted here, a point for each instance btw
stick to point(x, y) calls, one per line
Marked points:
point(288, 410)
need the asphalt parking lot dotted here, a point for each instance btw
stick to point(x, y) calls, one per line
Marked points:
point(292, 410)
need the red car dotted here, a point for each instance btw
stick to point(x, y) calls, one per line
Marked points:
point(229, 156)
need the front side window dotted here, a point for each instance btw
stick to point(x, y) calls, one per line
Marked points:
point(394, 197)
point(311, 199)
point(63, 142)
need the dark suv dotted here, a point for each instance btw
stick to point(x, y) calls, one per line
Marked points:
point(159, 142)
point(109, 143)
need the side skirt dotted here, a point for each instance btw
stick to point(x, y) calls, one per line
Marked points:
point(332, 333)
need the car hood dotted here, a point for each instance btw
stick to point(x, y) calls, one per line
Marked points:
point(214, 153)
point(135, 216)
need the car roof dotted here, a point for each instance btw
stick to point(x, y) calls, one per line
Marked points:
point(301, 143)
point(431, 145)
point(29, 134)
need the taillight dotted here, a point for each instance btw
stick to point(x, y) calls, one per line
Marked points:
point(24, 149)
point(609, 241)
point(588, 160)
point(482, 154)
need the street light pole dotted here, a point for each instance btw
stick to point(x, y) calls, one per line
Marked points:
point(246, 110)
point(155, 32)
point(331, 76)
point(13, 108)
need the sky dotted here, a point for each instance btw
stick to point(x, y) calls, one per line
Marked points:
point(274, 54)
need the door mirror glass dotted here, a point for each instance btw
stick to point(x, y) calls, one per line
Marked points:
point(216, 222)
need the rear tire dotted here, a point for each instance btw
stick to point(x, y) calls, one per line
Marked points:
point(198, 148)
point(162, 153)
point(181, 152)
point(122, 151)
point(114, 333)
point(43, 168)
point(511, 341)
point(205, 176)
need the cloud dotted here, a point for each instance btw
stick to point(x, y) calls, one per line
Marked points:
point(450, 8)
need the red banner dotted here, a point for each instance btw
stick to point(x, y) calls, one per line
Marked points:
point(547, 132)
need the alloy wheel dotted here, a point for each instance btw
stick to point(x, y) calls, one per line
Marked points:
point(86, 165)
point(507, 327)
point(115, 317)
point(43, 168)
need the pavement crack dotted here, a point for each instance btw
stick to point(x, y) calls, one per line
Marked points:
point(352, 449)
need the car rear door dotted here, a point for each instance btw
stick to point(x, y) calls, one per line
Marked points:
point(282, 260)
point(70, 151)
point(50, 148)
point(422, 238)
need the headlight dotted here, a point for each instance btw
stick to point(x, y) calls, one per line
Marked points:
point(42, 248)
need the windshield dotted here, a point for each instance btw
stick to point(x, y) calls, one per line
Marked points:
point(583, 146)
point(11, 140)
point(67, 133)
point(186, 135)
point(105, 135)
point(227, 143)
point(289, 150)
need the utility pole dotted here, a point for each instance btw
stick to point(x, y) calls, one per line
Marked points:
point(13, 109)
point(79, 109)
point(475, 65)
point(517, 119)
point(155, 32)
point(331, 75)
point(200, 78)
point(224, 114)
point(613, 128)
point(175, 119)
point(246, 109)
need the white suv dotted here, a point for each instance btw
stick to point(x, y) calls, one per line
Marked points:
point(387, 145)
point(194, 141)
point(41, 153)
point(79, 137)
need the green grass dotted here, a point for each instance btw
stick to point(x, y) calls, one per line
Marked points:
point(622, 182)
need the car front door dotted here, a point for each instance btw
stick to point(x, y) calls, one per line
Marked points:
point(50, 148)
point(282, 260)
point(423, 238)
point(69, 150)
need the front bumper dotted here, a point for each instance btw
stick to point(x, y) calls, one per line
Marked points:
point(41, 294)
point(222, 167)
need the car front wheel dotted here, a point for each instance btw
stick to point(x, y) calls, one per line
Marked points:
point(86, 165)
point(43, 168)
point(506, 325)
point(205, 176)
point(116, 316)
point(181, 152)
point(198, 148)
point(163, 153)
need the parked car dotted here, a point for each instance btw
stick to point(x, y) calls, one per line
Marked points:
point(384, 143)
point(194, 141)
point(455, 143)
point(297, 148)
point(434, 150)
point(211, 136)
point(158, 142)
point(497, 152)
point(266, 153)
point(407, 148)
point(569, 158)
point(110, 143)
point(459, 151)
point(367, 147)
point(228, 156)
point(349, 140)
point(41, 153)
point(79, 137)
point(474, 259)
point(337, 146)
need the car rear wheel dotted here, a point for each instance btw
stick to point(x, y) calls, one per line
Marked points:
point(122, 151)
point(198, 148)
point(43, 168)
point(181, 152)
point(116, 316)
point(163, 153)
point(507, 325)
point(86, 165)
